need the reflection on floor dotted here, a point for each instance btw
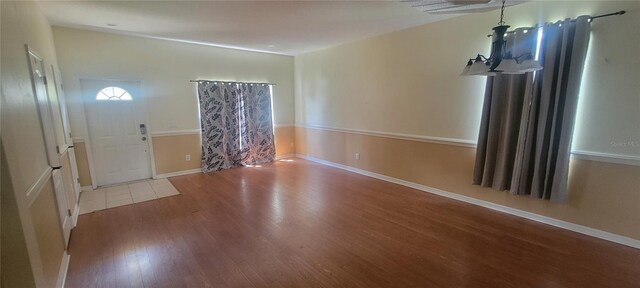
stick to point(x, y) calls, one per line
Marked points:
point(125, 194)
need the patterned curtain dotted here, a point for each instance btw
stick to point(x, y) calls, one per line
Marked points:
point(219, 121)
point(257, 139)
point(236, 124)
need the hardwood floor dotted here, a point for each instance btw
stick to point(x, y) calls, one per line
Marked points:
point(300, 224)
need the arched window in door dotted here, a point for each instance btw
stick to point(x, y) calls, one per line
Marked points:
point(113, 93)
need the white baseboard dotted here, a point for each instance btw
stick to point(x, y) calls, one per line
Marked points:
point(193, 171)
point(64, 267)
point(280, 157)
point(516, 212)
point(76, 213)
point(178, 173)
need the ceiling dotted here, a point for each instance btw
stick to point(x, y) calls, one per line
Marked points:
point(282, 27)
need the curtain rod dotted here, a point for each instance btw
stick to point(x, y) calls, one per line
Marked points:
point(591, 18)
point(200, 80)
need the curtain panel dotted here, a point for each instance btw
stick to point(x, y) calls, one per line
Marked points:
point(257, 140)
point(236, 124)
point(219, 122)
point(524, 143)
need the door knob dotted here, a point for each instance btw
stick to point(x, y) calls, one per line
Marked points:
point(144, 138)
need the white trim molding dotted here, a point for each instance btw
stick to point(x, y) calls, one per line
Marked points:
point(86, 188)
point(178, 173)
point(410, 137)
point(579, 154)
point(36, 187)
point(175, 132)
point(197, 131)
point(608, 158)
point(75, 214)
point(516, 212)
point(64, 268)
point(285, 156)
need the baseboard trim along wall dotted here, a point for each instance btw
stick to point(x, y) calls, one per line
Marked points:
point(36, 187)
point(86, 188)
point(175, 132)
point(194, 131)
point(605, 157)
point(76, 213)
point(193, 171)
point(178, 173)
point(64, 268)
point(580, 154)
point(280, 157)
point(516, 212)
point(411, 137)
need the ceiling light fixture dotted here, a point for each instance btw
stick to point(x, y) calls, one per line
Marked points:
point(501, 60)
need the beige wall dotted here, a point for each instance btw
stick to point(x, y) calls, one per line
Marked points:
point(407, 82)
point(23, 24)
point(84, 175)
point(169, 153)
point(46, 223)
point(164, 69)
point(170, 150)
point(16, 266)
point(602, 195)
point(285, 140)
point(23, 143)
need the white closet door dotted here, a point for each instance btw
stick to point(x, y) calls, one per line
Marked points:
point(39, 82)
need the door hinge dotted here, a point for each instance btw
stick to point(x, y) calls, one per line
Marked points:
point(58, 149)
point(44, 78)
point(69, 212)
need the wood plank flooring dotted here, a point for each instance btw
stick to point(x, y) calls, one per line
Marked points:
point(301, 224)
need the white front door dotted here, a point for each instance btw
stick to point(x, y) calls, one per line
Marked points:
point(117, 127)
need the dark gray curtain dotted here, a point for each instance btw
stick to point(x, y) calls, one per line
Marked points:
point(525, 136)
point(257, 139)
point(236, 124)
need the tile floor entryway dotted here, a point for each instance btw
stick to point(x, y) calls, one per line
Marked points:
point(125, 194)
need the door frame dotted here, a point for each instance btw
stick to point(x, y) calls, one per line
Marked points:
point(87, 138)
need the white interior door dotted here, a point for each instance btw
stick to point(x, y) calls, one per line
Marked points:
point(63, 206)
point(117, 127)
point(39, 82)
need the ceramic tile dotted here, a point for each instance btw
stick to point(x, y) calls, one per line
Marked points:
point(165, 190)
point(140, 188)
point(144, 197)
point(118, 203)
point(91, 206)
point(118, 190)
point(121, 195)
point(159, 182)
point(94, 195)
point(117, 197)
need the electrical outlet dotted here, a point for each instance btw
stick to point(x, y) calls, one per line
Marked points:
point(357, 156)
point(187, 157)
